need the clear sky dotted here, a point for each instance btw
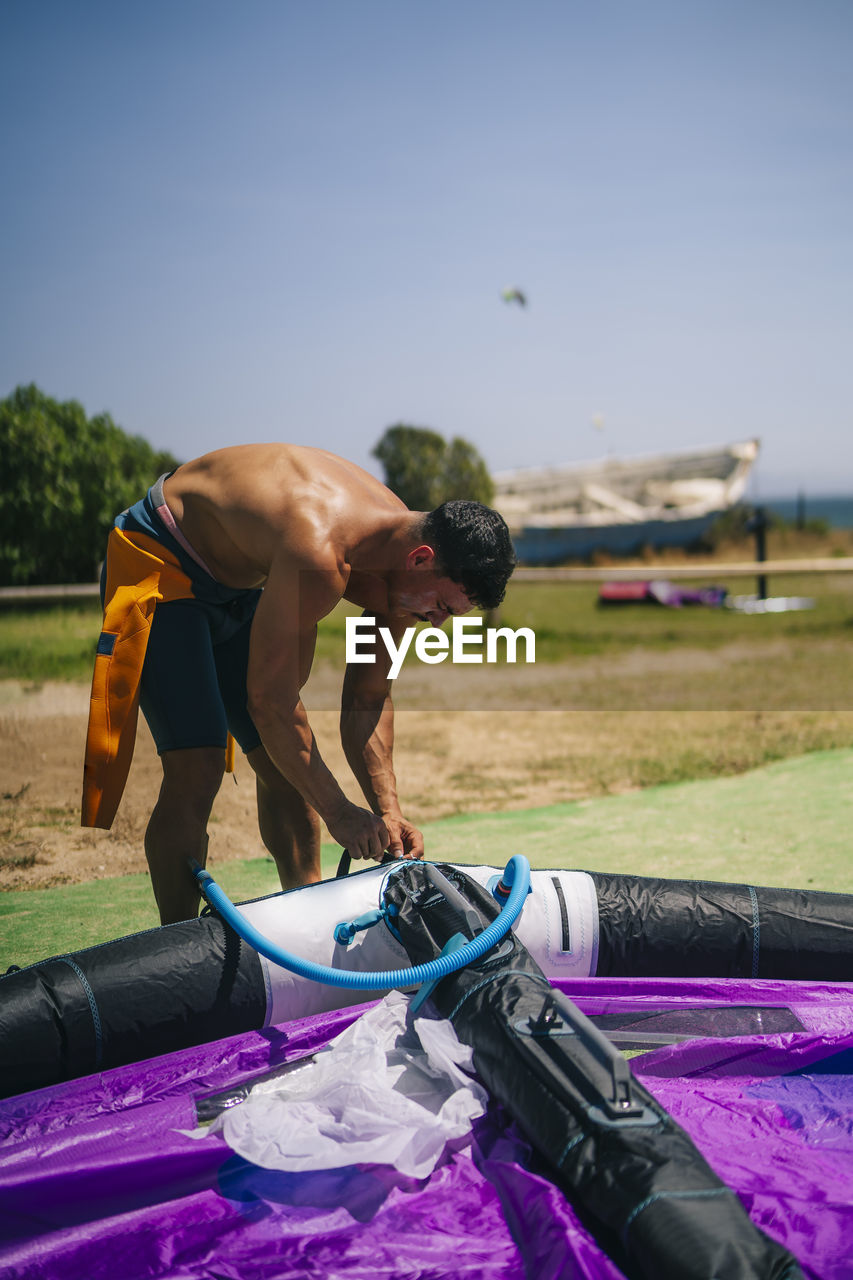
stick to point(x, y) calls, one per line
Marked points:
point(293, 219)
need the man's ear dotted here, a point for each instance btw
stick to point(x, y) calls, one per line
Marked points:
point(421, 558)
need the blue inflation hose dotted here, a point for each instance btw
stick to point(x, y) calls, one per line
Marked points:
point(516, 876)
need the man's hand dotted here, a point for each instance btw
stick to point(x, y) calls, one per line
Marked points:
point(364, 835)
point(405, 841)
point(360, 832)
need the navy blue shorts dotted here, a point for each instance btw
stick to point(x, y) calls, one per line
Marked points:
point(193, 688)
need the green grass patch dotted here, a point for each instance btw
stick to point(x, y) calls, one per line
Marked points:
point(786, 824)
point(57, 641)
point(49, 642)
point(569, 622)
point(47, 922)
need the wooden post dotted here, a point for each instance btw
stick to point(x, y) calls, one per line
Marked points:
point(759, 524)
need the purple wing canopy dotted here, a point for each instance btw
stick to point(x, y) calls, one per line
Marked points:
point(97, 1178)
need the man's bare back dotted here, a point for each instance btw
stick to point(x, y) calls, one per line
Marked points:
point(244, 508)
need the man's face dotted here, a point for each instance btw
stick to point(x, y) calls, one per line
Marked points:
point(421, 590)
point(431, 598)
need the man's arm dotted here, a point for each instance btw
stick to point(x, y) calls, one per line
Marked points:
point(367, 735)
point(281, 651)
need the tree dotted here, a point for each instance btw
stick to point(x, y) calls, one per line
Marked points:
point(466, 474)
point(64, 479)
point(424, 470)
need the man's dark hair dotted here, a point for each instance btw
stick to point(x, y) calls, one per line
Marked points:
point(473, 548)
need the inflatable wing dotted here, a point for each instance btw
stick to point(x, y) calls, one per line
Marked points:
point(190, 983)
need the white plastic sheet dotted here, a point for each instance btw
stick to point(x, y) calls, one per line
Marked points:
point(389, 1090)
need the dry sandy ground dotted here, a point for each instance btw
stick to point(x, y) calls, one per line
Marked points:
point(447, 761)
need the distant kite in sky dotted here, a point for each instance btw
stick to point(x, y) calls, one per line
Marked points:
point(514, 295)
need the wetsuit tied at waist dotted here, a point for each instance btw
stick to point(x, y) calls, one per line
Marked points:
point(139, 573)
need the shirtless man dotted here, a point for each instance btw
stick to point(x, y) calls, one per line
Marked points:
point(309, 529)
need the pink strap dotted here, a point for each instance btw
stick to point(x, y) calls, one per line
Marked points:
point(169, 521)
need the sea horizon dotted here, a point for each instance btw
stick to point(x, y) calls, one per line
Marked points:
point(835, 509)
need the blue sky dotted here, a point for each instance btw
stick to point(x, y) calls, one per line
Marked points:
point(293, 220)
